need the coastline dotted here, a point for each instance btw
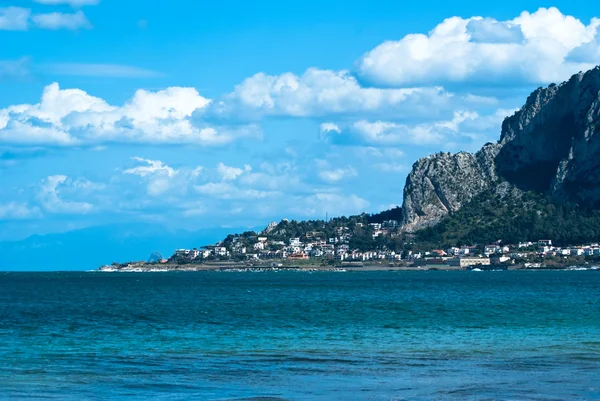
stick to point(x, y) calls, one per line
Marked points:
point(243, 267)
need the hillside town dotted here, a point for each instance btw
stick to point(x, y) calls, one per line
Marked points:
point(340, 247)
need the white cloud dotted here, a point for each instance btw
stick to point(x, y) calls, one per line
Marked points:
point(99, 70)
point(52, 188)
point(160, 178)
point(390, 133)
point(18, 211)
point(391, 167)
point(379, 153)
point(275, 182)
point(224, 190)
point(335, 175)
point(228, 173)
point(57, 20)
point(467, 125)
point(534, 47)
point(72, 3)
point(150, 167)
point(327, 128)
point(14, 18)
point(67, 117)
point(321, 93)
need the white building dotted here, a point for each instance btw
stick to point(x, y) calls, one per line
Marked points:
point(453, 251)
point(464, 251)
point(221, 251)
point(577, 252)
point(492, 249)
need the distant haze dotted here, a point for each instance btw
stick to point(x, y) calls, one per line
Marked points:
point(90, 248)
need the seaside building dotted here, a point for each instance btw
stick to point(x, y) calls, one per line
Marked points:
point(499, 259)
point(465, 262)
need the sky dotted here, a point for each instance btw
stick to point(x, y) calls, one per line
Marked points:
point(194, 114)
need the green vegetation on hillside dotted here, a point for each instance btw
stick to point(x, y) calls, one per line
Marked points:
point(528, 216)
point(356, 230)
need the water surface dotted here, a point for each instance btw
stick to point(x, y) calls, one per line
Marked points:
point(300, 336)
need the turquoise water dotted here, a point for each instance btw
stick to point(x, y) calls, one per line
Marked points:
point(300, 336)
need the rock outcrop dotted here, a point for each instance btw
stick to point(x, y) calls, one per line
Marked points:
point(442, 183)
point(551, 145)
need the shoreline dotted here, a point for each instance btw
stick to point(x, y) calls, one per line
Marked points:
point(241, 267)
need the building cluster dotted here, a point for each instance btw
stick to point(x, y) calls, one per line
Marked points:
point(544, 248)
point(499, 254)
point(316, 244)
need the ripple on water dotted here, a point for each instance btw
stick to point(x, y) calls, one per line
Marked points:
point(267, 336)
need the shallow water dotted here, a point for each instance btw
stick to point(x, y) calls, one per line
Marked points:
point(300, 336)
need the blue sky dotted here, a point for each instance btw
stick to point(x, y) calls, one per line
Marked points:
point(197, 114)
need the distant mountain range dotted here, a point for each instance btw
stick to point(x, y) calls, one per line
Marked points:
point(89, 248)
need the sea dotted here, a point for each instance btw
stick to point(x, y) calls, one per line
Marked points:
point(410, 335)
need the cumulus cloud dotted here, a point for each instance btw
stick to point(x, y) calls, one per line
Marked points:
point(161, 178)
point(57, 20)
point(72, 3)
point(69, 117)
point(533, 47)
point(334, 175)
point(18, 211)
point(323, 92)
point(150, 167)
point(52, 188)
point(14, 18)
point(228, 173)
point(329, 128)
point(464, 124)
point(281, 177)
point(390, 133)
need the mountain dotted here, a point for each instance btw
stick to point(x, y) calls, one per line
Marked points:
point(551, 146)
point(541, 179)
point(92, 247)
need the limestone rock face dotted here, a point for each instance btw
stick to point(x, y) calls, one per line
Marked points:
point(551, 145)
point(442, 183)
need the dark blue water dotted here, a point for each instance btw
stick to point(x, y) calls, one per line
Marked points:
point(300, 336)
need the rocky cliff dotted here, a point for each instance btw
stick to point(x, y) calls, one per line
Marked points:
point(442, 183)
point(551, 145)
